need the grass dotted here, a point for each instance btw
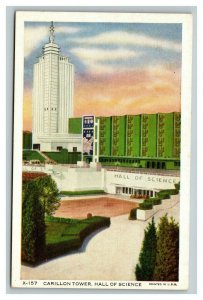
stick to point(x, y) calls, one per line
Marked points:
point(31, 154)
point(60, 232)
point(64, 235)
point(76, 193)
point(64, 157)
point(163, 194)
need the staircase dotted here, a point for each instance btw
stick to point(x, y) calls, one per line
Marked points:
point(47, 158)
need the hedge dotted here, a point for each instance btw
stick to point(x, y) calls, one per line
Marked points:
point(146, 205)
point(61, 220)
point(168, 192)
point(155, 201)
point(133, 214)
point(75, 193)
point(78, 231)
point(54, 250)
point(177, 186)
point(164, 194)
point(32, 155)
point(64, 157)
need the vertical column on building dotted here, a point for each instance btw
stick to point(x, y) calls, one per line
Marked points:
point(177, 134)
point(66, 79)
point(96, 141)
point(37, 98)
point(51, 88)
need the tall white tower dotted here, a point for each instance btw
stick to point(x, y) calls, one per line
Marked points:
point(53, 84)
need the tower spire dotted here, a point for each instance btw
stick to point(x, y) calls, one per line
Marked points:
point(51, 30)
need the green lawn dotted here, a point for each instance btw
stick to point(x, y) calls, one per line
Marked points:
point(64, 157)
point(59, 232)
point(31, 154)
point(75, 193)
point(64, 235)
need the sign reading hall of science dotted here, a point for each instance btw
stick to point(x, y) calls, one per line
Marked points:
point(110, 181)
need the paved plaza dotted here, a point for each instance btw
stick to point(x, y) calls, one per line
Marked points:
point(109, 254)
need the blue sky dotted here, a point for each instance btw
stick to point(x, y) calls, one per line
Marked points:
point(71, 36)
point(131, 56)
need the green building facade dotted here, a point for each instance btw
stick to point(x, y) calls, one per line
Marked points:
point(133, 138)
point(176, 135)
point(145, 141)
point(118, 136)
point(75, 125)
point(148, 135)
point(27, 140)
point(105, 136)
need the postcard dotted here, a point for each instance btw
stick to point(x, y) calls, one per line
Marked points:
point(101, 170)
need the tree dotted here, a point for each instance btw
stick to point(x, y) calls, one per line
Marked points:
point(167, 258)
point(39, 196)
point(48, 194)
point(145, 268)
point(33, 224)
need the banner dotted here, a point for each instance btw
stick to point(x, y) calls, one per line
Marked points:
point(88, 135)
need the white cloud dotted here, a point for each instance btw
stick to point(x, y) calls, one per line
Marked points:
point(95, 54)
point(132, 39)
point(67, 29)
point(96, 60)
point(34, 35)
point(158, 69)
point(99, 68)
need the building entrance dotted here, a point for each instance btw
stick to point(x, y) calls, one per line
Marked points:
point(134, 191)
point(118, 190)
point(36, 146)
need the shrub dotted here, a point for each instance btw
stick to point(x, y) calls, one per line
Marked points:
point(92, 226)
point(163, 195)
point(133, 214)
point(61, 220)
point(48, 194)
point(32, 155)
point(145, 268)
point(146, 205)
point(174, 192)
point(177, 186)
point(155, 201)
point(159, 256)
point(39, 197)
point(72, 238)
point(53, 250)
point(64, 157)
point(75, 193)
point(33, 225)
point(167, 257)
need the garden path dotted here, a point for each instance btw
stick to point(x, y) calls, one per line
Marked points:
point(109, 254)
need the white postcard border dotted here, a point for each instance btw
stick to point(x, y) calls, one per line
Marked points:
point(186, 88)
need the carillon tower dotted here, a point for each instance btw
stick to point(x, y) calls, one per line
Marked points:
point(53, 83)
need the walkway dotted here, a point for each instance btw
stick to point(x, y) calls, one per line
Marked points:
point(47, 158)
point(110, 254)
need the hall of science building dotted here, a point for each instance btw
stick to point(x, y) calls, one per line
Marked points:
point(131, 149)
